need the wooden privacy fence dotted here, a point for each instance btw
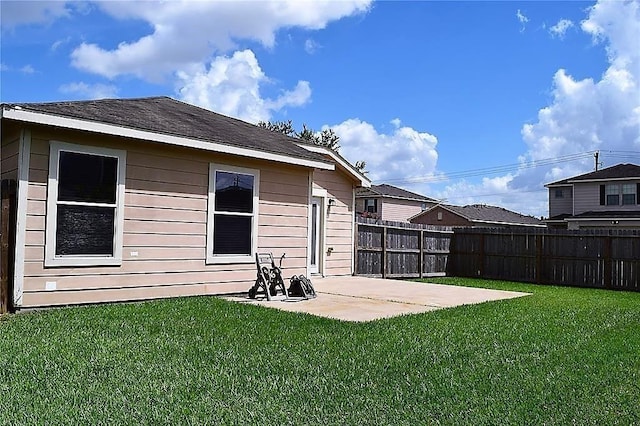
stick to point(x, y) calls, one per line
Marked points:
point(7, 243)
point(394, 249)
point(585, 258)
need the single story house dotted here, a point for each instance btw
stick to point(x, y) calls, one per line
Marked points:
point(476, 216)
point(388, 202)
point(125, 199)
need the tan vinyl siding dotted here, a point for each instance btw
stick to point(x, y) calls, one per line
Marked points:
point(587, 198)
point(165, 209)
point(399, 210)
point(563, 205)
point(339, 222)
point(9, 159)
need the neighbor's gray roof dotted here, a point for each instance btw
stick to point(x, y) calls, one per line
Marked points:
point(619, 171)
point(390, 191)
point(168, 116)
point(492, 214)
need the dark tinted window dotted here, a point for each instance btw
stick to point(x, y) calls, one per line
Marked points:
point(232, 234)
point(234, 192)
point(85, 230)
point(87, 178)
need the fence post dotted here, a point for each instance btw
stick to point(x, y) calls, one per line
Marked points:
point(421, 249)
point(481, 256)
point(538, 258)
point(608, 263)
point(383, 267)
point(356, 230)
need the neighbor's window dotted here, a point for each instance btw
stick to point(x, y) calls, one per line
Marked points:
point(84, 205)
point(613, 195)
point(371, 205)
point(628, 194)
point(233, 214)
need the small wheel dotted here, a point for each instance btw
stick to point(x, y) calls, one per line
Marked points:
point(252, 293)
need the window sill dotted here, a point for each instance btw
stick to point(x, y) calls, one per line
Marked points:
point(222, 260)
point(82, 261)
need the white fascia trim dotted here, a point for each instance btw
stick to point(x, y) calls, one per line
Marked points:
point(509, 223)
point(362, 179)
point(110, 129)
point(24, 155)
point(605, 180)
point(558, 185)
point(602, 219)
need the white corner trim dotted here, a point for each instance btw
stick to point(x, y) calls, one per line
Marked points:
point(353, 232)
point(24, 154)
point(308, 254)
point(110, 129)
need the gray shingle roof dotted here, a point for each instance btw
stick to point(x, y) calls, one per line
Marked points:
point(619, 171)
point(494, 214)
point(168, 116)
point(385, 190)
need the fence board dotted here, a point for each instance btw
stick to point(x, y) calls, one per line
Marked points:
point(397, 249)
point(586, 258)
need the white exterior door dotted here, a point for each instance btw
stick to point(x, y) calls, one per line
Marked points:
point(315, 242)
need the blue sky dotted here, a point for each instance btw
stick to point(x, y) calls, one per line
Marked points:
point(468, 102)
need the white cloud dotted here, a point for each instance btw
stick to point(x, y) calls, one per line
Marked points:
point(231, 86)
point(560, 28)
point(15, 13)
point(27, 69)
point(522, 19)
point(90, 91)
point(590, 114)
point(311, 46)
point(404, 152)
point(58, 43)
point(184, 32)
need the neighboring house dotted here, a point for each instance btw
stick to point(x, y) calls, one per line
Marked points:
point(129, 199)
point(607, 198)
point(387, 202)
point(475, 215)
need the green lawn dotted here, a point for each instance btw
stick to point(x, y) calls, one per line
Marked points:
point(561, 356)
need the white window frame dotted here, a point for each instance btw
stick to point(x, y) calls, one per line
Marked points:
point(51, 259)
point(370, 202)
point(629, 189)
point(221, 258)
point(612, 190)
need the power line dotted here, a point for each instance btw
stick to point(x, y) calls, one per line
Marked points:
point(491, 170)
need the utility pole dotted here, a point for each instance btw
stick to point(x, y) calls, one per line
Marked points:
point(596, 155)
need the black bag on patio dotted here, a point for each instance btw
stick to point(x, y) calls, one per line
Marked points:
point(301, 286)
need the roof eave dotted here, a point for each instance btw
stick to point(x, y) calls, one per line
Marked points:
point(362, 180)
point(604, 179)
point(605, 218)
point(114, 130)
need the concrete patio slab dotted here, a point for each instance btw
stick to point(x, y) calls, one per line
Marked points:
point(351, 298)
